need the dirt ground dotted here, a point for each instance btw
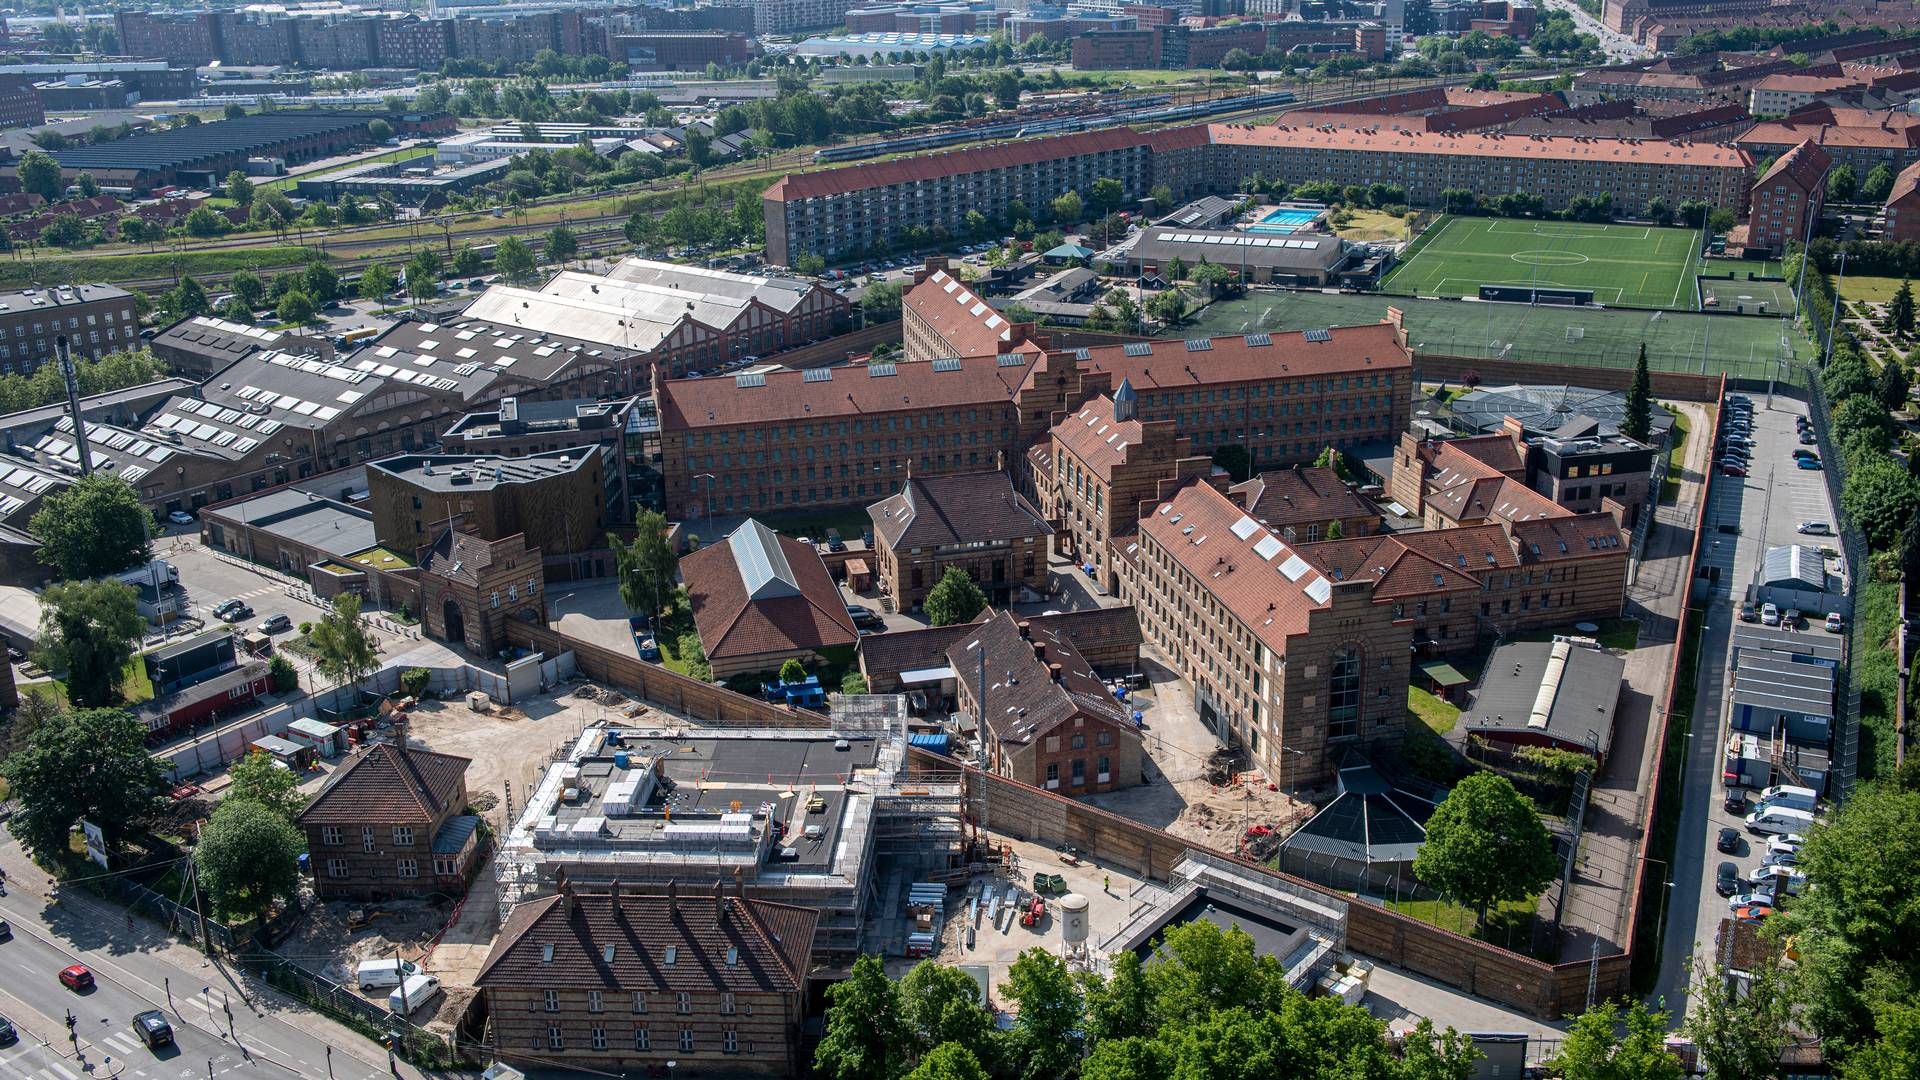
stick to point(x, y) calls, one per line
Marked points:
point(1219, 816)
point(325, 944)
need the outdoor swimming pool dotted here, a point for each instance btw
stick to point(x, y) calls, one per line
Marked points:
point(1286, 219)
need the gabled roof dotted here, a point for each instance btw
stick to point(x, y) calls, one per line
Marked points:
point(960, 316)
point(820, 393)
point(1024, 699)
point(1299, 495)
point(653, 943)
point(764, 593)
point(950, 163)
point(961, 508)
point(781, 294)
point(1398, 572)
point(385, 785)
point(1183, 365)
point(1805, 166)
point(1097, 439)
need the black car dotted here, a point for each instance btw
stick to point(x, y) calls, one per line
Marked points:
point(1726, 880)
point(1736, 803)
point(1729, 842)
point(153, 1029)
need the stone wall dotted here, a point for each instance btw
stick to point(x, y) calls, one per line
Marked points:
point(1671, 385)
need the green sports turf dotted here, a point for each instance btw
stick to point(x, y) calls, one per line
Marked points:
point(1742, 346)
point(1627, 265)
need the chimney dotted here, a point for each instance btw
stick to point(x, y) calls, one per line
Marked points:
point(613, 896)
point(568, 902)
point(399, 721)
point(1026, 628)
point(1040, 651)
point(739, 885)
point(1053, 671)
point(719, 902)
point(999, 461)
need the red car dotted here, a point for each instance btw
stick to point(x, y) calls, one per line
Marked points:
point(1733, 470)
point(1752, 913)
point(76, 977)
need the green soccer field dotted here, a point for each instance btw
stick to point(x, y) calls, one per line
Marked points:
point(1624, 265)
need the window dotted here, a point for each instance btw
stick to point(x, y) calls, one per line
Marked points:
point(686, 1002)
point(730, 1041)
point(640, 1001)
point(366, 838)
point(553, 1001)
point(1343, 694)
point(726, 1004)
point(336, 868)
point(686, 1040)
point(599, 1037)
point(443, 867)
point(407, 868)
point(403, 836)
point(642, 1039)
point(594, 1002)
point(554, 1041)
point(1053, 775)
point(332, 835)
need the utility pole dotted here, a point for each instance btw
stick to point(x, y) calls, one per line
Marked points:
point(193, 877)
point(1833, 318)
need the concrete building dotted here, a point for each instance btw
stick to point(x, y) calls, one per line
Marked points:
point(374, 829)
point(1310, 259)
point(760, 599)
point(557, 499)
point(1049, 720)
point(610, 429)
point(890, 46)
point(974, 522)
point(1291, 665)
point(199, 345)
point(413, 181)
point(618, 980)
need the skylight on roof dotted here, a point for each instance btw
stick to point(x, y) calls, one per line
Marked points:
point(1137, 348)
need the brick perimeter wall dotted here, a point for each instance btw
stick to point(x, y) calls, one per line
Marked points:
point(1674, 386)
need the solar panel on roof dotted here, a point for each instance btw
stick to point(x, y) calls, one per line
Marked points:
point(1318, 335)
point(1137, 348)
point(1083, 354)
point(1011, 360)
point(947, 363)
point(817, 375)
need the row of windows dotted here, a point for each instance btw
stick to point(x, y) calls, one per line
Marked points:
point(642, 1039)
point(683, 1001)
point(336, 836)
point(404, 869)
point(876, 425)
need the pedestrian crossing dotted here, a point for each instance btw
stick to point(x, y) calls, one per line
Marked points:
point(130, 1063)
point(249, 596)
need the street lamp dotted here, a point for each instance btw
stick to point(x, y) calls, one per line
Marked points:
point(710, 479)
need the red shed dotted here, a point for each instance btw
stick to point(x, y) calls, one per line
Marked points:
point(229, 692)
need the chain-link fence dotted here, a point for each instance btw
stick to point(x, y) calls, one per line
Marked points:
point(1853, 547)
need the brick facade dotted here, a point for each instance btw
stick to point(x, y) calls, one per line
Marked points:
point(371, 829)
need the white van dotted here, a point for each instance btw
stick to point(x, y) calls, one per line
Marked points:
point(1790, 797)
point(409, 998)
point(1779, 820)
point(380, 974)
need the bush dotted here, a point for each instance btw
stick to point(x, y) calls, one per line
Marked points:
point(414, 681)
point(284, 675)
point(306, 628)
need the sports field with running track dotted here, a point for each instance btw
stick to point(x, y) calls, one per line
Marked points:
point(1624, 265)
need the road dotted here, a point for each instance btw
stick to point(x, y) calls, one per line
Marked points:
point(1618, 47)
point(1768, 506)
point(140, 970)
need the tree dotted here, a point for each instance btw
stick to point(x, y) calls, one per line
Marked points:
point(248, 857)
point(562, 245)
point(295, 308)
point(1106, 195)
point(94, 528)
point(1863, 426)
point(92, 764)
point(1595, 1050)
point(1068, 208)
point(239, 188)
point(1900, 309)
point(1638, 421)
point(865, 1037)
point(1485, 80)
point(468, 262)
point(203, 222)
point(1212, 275)
point(949, 1061)
point(793, 671)
point(347, 653)
point(1169, 307)
point(1892, 386)
point(39, 174)
point(86, 185)
point(1335, 530)
point(259, 778)
point(1176, 269)
point(647, 566)
point(134, 230)
point(1842, 182)
point(379, 130)
point(881, 302)
point(284, 675)
point(1846, 375)
point(423, 275)
point(955, 599)
point(1045, 1040)
point(1234, 458)
point(1740, 1034)
point(810, 265)
point(513, 260)
point(89, 629)
point(941, 1006)
point(377, 282)
point(234, 309)
point(248, 288)
point(1878, 184)
point(1485, 843)
point(320, 283)
point(235, 110)
point(1879, 497)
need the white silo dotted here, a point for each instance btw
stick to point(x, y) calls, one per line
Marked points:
point(1073, 926)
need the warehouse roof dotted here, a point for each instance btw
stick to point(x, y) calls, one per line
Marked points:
point(1550, 689)
point(781, 294)
point(819, 393)
point(187, 146)
point(1301, 252)
point(494, 338)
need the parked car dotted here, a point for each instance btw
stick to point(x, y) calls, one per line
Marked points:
point(232, 610)
point(382, 974)
point(1749, 613)
point(1728, 842)
point(1752, 913)
point(1733, 468)
point(834, 542)
point(1783, 859)
point(1807, 438)
point(1735, 803)
point(1757, 898)
point(1789, 842)
point(8, 1035)
point(1835, 624)
point(1773, 876)
point(76, 977)
point(1769, 615)
point(1726, 880)
point(153, 1029)
point(1802, 452)
point(1739, 399)
point(1815, 528)
point(275, 624)
point(1790, 618)
point(180, 517)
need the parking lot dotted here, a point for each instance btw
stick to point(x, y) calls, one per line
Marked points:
point(1746, 516)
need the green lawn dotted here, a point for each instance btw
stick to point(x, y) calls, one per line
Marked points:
point(1676, 457)
point(1426, 749)
point(1635, 265)
point(1742, 346)
point(135, 687)
point(1508, 925)
point(1872, 289)
point(1437, 714)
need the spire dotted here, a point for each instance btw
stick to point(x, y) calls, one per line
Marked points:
point(1124, 400)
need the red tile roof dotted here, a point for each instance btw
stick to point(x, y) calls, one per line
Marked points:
point(1805, 166)
point(1176, 365)
point(804, 611)
point(688, 404)
point(1180, 138)
point(1398, 572)
point(1266, 584)
point(1905, 184)
point(1023, 701)
point(960, 316)
point(1483, 145)
point(770, 945)
point(950, 163)
point(1301, 496)
point(381, 785)
point(959, 508)
point(1574, 536)
point(1093, 436)
point(1790, 132)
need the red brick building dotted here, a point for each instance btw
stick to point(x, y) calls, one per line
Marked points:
point(760, 599)
point(1303, 504)
point(19, 103)
point(1903, 205)
point(975, 522)
point(1787, 200)
point(379, 826)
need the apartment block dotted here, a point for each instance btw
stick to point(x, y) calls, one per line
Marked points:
point(388, 822)
point(1788, 199)
point(1903, 205)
